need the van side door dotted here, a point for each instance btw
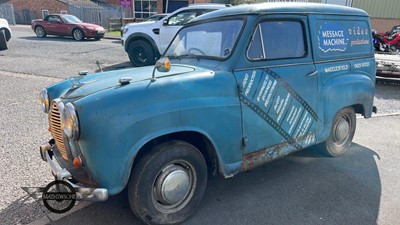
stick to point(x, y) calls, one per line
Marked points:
point(278, 88)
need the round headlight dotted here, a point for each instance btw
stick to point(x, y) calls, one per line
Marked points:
point(70, 121)
point(44, 100)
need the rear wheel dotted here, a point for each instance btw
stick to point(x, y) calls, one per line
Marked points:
point(78, 35)
point(167, 185)
point(394, 49)
point(40, 32)
point(3, 40)
point(342, 133)
point(141, 53)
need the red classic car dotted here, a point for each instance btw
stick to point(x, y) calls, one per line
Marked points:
point(66, 25)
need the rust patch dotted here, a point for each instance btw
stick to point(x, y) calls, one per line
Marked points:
point(263, 156)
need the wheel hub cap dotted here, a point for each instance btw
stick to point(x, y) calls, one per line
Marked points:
point(342, 131)
point(172, 185)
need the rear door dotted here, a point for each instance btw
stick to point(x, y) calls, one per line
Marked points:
point(278, 89)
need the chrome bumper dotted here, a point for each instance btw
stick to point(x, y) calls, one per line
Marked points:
point(82, 193)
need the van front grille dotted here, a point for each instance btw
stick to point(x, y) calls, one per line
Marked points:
point(56, 129)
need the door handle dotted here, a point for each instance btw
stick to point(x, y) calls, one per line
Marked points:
point(312, 74)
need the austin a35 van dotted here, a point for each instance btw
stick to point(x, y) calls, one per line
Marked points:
point(236, 88)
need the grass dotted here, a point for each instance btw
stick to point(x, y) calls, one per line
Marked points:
point(113, 32)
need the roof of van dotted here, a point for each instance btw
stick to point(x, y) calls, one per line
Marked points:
point(283, 7)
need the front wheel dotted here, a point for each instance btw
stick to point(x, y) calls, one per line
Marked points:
point(78, 35)
point(40, 32)
point(342, 133)
point(167, 185)
point(141, 53)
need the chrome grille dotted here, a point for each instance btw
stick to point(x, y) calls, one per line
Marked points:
point(56, 129)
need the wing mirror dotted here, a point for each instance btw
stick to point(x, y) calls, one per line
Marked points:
point(162, 65)
point(165, 22)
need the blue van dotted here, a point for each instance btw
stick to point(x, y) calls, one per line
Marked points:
point(236, 88)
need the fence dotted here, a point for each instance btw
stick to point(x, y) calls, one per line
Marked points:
point(93, 13)
point(7, 12)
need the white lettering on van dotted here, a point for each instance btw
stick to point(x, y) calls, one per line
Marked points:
point(334, 42)
point(360, 42)
point(253, 76)
point(266, 103)
point(309, 139)
point(304, 126)
point(336, 68)
point(246, 78)
point(260, 94)
point(361, 65)
point(332, 33)
point(295, 119)
point(282, 109)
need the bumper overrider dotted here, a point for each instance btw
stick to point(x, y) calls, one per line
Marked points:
point(62, 174)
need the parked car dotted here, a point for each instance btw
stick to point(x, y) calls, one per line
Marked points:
point(66, 25)
point(155, 17)
point(5, 34)
point(243, 86)
point(145, 42)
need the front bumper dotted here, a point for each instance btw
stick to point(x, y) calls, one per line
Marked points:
point(82, 193)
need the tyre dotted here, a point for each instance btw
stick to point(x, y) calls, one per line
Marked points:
point(3, 40)
point(40, 32)
point(78, 35)
point(394, 49)
point(342, 133)
point(141, 53)
point(167, 185)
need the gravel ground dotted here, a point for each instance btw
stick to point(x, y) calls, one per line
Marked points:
point(387, 98)
point(31, 64)
point(23, 129)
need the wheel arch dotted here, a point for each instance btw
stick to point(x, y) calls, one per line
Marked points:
point(75, 28)
point(38, 25)
point(197, 139)
point(143, 37)
point(353, 90)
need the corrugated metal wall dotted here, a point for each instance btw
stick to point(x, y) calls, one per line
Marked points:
point(389, 9)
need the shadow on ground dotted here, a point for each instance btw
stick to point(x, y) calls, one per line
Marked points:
point(56, 38)
point(304, 188)
point(22, 211)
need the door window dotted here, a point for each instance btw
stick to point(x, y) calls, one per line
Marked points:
point(277, 40)
point(182, 17)
point(53, 19)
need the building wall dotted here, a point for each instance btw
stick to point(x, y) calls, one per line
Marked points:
point(113, 2)
point(383, 25)
point(385, 9)
point(27, 10)
point(384, 13)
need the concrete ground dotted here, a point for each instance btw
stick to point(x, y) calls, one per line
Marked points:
point(361, 187)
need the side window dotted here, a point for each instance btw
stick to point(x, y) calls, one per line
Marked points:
point(277, 40)
point(204, 11)
point(181, 17)
point(53, 19)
